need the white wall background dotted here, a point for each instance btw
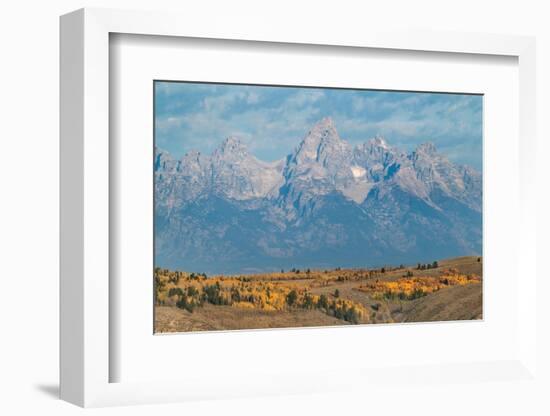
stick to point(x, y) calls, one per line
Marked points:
point(29, 206)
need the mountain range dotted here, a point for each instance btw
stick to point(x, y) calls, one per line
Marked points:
point(327, 204)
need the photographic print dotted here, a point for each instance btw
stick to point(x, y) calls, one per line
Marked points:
point(284, 206)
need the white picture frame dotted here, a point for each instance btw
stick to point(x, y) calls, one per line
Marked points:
point(86, 356)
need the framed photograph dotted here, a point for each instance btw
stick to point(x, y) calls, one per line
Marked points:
point(331, 210)
point(266, 217)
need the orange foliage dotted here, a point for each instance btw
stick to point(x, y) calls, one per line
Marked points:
point(276, 294)
point(411, 288)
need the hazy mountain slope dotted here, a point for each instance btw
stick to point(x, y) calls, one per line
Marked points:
point(327, 204)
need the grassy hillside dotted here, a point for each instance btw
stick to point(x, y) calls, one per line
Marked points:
point(449, 289)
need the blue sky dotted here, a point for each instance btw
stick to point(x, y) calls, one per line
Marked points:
point(273, 120)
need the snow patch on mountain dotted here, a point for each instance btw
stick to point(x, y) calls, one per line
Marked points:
point(358, 172)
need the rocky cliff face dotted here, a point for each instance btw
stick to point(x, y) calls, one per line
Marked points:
point(327, 204)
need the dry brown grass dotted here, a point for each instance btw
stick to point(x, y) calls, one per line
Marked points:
point(218, 318)
point(453, 304)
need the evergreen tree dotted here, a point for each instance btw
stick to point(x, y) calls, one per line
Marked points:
point(323, 302)
point(291, 298)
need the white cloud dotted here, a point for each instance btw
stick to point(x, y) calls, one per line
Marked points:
point(304, 97)
point(273, 124)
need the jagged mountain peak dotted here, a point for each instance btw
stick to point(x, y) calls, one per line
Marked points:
point(427, 148)
point(325, 163)
point(427, 156)
point(325, 122)
point(192, 155)
point(164, 160)
point(232, 144)
point(376, 156)
point(161, 153)
point(323, 131)
point(378, 141)
point(321, 144)
point(376, 147)
point(194, 162)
